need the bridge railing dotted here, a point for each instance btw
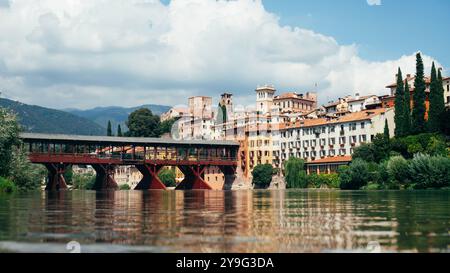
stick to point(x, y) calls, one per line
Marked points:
point(136, 156)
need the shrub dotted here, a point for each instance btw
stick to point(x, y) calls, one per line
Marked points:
point(429, 172)
point(25, 175)
point(7, 185)
point(83, 181)
point(397, 169)
point(167, 176)
point(355, 176)
point(323, 180)
point(295, 174)
point(262, 175)
point(124, 187)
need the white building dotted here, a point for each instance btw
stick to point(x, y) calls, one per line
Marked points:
point(360, 103)
point(322, 138)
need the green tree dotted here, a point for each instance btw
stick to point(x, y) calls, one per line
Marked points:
point(68, 175)
point(119, 131)
point(295, 174)
point(429, 171)
point(14, 163)
point(399, 117)
point(418, 111)
point(142, 123)
point(9, 137)
point(166, 126)
point(109, 129)
point(437, 105)
point(397, 168)
point(25, 175)
point(407, 111)
point(7, 185)
point(355, 176)
point(262, 175)
point(124, 187)
point(84, 181)
point(386, 131)
point(167, 176)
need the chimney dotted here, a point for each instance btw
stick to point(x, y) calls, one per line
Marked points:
point(408, 76)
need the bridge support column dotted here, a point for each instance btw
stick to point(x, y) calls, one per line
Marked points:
point(229, 173)
point(193, 178)
point(150, 181)
point(105, 177)
point(56, 179)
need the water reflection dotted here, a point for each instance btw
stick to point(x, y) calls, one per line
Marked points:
point(229, 221)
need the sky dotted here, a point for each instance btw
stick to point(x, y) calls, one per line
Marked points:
point(83, 54)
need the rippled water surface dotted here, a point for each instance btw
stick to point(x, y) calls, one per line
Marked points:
point(225, 221)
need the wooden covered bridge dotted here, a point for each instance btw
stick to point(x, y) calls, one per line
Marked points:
point(148, 155)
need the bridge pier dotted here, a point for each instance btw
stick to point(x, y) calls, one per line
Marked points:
point(56, 179)
point(229, 173)
point(105, 177)
point(150, 181)
point(193, 178)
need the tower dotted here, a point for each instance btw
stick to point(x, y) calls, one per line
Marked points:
point(264, 98)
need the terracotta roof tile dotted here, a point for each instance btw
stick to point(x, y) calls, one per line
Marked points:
point(333, 159)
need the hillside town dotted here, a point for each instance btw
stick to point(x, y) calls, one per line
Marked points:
point(283, 125)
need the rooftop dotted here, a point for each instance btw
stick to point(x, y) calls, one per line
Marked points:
point(110, 140)
point(356, 116)
point(333, 159)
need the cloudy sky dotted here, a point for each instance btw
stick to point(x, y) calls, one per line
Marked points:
point(82, 54)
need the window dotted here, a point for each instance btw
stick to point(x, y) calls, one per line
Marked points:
point(362, 138)
point(342, 140)
point(342, 152)
point(332, 129)
point(332, 153)
point(323, 142)
point(362, 125)
point(332, 140)
point(313, 143)
point(306, 154)
point(305, 143)
point(322, 153)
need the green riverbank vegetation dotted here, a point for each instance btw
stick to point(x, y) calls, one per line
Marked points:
point(16, 172)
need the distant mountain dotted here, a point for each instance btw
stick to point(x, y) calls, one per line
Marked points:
point(117, 115)
point(44, 120)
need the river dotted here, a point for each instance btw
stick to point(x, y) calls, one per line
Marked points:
point(226, 221)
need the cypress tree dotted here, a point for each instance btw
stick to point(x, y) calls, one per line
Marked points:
point(119, 131)
point(386, 130)
point(435, 99)
point(418, 111)
point(440, 104)
point(399, 118)
point(407, 109)
point(109, 130)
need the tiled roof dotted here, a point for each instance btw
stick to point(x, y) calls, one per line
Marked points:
point(356, 116)
point(332, 159)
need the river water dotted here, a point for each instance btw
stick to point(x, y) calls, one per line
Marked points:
point(226, 221)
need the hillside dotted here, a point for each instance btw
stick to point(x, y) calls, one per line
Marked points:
point(44, 120)
point(117, 115)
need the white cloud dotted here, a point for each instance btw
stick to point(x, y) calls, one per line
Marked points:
point(129, 52)
point(374, 2)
